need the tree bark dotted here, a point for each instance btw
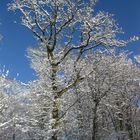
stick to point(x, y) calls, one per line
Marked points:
point(94, 122)
point(14, 137)
point(14, 127)
point(56, 103)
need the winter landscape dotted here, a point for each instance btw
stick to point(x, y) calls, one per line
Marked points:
point(86, 86)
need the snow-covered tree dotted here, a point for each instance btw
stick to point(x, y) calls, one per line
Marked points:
point(93, 108)
point(12, 111)
point(66, 30)
point(105, 106)
point(63, 27)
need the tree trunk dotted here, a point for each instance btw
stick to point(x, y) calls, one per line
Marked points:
point(94, 122)
point(55, 117)
point(56, 104)
point(128, 124)
point(14, 136)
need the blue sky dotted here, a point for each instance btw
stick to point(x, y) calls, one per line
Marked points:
point(17, 38)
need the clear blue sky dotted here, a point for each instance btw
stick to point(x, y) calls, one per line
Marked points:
point(17, 38)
